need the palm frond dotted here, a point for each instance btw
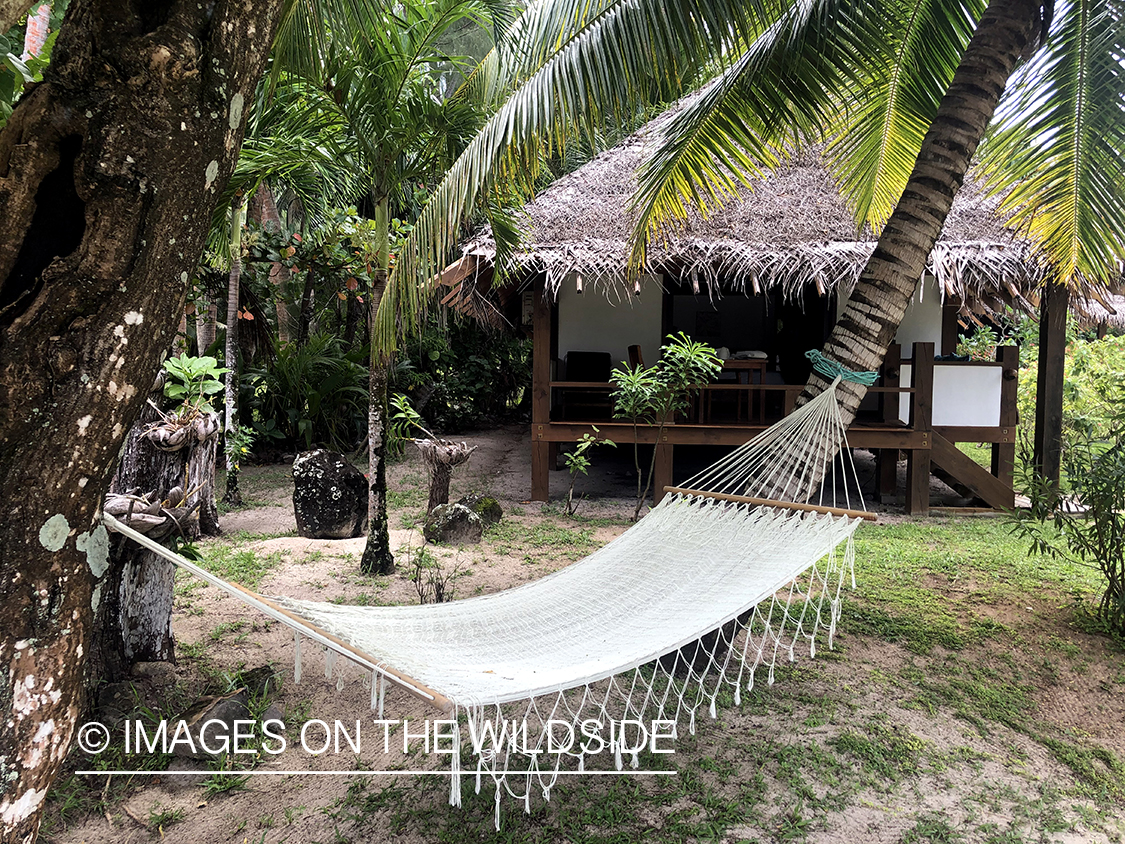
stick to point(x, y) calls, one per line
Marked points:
point(784, 87)
point(603, 65)
point(1057, 156)
point(905, 73)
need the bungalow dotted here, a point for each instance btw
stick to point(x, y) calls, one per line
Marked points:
point(763, 279)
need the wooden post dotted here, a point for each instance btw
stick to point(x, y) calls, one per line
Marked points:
point(887, 478)
point(1049, 394)
point(540, 392)
point(1004, 452)
point(662, 472)
point(950, 329)
point(921, 420)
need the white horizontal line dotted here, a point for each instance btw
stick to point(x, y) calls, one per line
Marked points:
point(465, 772)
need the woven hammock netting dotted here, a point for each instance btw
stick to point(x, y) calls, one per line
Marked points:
point(698, 598)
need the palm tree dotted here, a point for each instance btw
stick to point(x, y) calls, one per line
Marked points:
point(903, 91)
point(376, 94)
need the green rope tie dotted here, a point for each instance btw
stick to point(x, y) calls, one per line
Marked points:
point(832, 369)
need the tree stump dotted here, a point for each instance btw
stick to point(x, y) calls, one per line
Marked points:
point(441, 457)
point(164, 486)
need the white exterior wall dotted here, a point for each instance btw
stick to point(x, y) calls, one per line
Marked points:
point(964, 394)
point(922, 321)
point(593, 322)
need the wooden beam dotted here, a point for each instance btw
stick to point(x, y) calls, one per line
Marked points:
point(886, 483)
point(993, 491)
point(769, 502)
point(1049, 394)
point(949, 329)
point(458, 271)
point(921, 417)
point(540, 390)
point(1004, 451)
point(974, 434)
point(690, 434)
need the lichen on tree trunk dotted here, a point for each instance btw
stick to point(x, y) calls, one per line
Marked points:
point(109, 171)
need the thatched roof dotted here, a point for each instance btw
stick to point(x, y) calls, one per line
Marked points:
point(1108, 311)
point(793, 229)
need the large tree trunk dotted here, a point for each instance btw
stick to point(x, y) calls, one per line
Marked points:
point(109, 171)
point(1008, 29)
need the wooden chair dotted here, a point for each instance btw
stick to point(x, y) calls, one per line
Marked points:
point(636, 360)
point(587, 403)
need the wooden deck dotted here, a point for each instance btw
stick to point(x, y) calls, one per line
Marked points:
point(731, 414)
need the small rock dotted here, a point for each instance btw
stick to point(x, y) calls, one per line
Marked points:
point(453, 524)
point(329, 496)
point(201, 720)
point(273, 713)
point(485, 506)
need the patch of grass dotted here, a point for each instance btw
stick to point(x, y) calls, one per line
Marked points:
point(160, 816)
point(239, 565)
point(887, 751)
point(540, 540)
point(934, 828)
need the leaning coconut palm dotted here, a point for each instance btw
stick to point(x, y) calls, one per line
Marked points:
point(1056, 156)
point(903, 91)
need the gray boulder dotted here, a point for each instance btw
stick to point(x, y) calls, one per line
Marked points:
point(453, 524)
point(210, 725)
point(485, 506)
point(329, 496)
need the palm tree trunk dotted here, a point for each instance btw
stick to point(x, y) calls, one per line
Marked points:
point(1007, 30)
point(264, 210)
point(377, 557)
point(232, 496)
point(205, 329)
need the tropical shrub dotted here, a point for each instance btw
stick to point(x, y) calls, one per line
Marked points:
point(311, 395)
point(655, 395)
point(461, 376)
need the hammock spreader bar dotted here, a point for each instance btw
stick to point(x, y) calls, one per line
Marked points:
point(769, 502)
point(289, 619)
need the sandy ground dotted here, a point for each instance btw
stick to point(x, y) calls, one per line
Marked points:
point(966, 775)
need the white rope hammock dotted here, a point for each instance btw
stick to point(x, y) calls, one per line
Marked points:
point(715, 581)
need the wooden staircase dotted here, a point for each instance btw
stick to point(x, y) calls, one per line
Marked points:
point(967, 476)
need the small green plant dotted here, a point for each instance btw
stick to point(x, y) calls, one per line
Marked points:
point(578, 463)
point(192, 381)
point(434, 583)
point(654, 396)
point(980, 346)
point(238, 443)
point(160, 816)
point(403, 420)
